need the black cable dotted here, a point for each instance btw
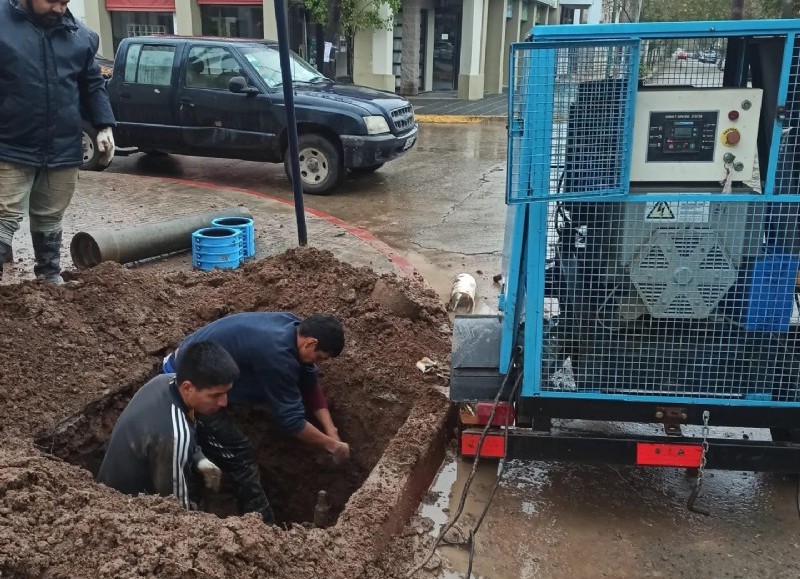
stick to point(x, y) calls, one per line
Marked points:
point(449, 525)
point(494, 488)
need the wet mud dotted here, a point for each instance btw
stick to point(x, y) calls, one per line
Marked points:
point(71, 357)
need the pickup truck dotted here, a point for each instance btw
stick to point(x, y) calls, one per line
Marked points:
point(214, 97)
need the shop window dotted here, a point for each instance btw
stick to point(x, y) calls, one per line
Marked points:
point(232, 21)
point(129, 24)
point(149, 64)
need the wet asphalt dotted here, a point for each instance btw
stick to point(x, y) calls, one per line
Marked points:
point(442, 206)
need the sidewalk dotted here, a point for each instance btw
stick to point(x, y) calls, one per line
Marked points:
point(117, 201)
point(445, 107)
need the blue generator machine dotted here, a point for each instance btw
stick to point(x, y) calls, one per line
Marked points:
point(650, 271)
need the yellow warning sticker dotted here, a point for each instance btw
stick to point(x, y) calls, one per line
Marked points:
point(660, 211)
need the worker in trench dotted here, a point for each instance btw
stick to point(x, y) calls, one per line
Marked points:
point(277, 354)
point(153, 447)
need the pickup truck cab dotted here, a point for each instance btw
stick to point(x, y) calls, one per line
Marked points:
point(213, 97)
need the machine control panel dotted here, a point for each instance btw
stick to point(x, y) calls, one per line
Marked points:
point(682, 136)
point(695, 135)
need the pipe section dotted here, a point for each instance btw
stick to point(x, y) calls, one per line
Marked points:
point(90, 248)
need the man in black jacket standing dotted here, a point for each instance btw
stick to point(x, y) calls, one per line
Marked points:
point(48, 74)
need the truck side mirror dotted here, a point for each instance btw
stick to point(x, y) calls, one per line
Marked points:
point(238, 85)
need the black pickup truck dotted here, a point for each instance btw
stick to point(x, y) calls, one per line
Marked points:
point(213, 97)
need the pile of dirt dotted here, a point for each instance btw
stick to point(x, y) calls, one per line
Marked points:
point(71, 356)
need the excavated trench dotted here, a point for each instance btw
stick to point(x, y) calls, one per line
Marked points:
point(72, 357)
point(291, 472)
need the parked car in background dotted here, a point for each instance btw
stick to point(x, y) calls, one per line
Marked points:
point(709, 55)
point(221, 97)
point(680, 54)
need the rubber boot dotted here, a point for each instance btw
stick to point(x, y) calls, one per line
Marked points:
point(47, 250)
point(5, 252)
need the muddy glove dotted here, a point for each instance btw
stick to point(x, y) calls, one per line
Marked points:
point(341, 452)
point(105, 144)
point(210, 473)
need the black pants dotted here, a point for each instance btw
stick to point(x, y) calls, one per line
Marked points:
point(224, 444)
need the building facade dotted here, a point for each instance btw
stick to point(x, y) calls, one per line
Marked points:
point(460, 47)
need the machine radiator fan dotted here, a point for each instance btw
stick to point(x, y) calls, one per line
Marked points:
point(682, 273)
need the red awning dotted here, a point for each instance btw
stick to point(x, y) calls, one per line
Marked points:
point(232, 2)
point(140, 5)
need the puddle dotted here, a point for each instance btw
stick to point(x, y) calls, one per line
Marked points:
point(438, 511)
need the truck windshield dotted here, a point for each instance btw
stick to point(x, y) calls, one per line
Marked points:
point(266, 61)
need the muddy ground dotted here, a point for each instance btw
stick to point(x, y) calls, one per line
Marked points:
point(71, 356)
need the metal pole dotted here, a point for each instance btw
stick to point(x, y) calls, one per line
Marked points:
point(737, 9)
point(291, 122)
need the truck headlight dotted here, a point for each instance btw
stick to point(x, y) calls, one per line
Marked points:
point(376, 125)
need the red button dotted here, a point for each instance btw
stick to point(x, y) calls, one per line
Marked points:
point(733, 115)
point(732, 137)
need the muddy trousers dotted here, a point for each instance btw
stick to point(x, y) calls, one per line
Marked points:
point(224, 444)
point(45, 195)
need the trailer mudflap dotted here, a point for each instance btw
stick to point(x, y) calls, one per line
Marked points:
point(682, 452)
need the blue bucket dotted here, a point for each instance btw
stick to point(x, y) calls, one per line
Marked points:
point(243, 224)
point(216, 247)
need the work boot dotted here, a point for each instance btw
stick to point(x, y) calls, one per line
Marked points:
point(47, 250)
point(5, 252)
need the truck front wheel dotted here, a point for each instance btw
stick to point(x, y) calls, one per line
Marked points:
point(321, 168)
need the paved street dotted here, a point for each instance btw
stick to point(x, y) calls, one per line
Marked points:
point(442, 207)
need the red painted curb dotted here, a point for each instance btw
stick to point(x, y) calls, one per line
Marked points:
point(401, 262)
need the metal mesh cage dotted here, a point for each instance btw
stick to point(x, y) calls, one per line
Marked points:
point(570, 116)
point(679, 289)
point(696, 305)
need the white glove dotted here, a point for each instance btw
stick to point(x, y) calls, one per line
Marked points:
point(105, 144)
point(210, 473)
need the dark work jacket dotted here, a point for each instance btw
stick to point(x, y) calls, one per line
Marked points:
point(153, 448)
point(264, 346)
point(46, 76)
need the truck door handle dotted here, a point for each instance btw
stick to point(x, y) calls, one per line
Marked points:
point(124, 95)
point(186, 101)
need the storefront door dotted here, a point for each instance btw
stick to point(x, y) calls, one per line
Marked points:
point(446, 48)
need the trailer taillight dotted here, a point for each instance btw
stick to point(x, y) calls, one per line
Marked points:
point(494, 445)
point(504, 415)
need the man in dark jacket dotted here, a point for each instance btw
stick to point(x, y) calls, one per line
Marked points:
point(276, 353)
point(153, 448)
point(47, 73)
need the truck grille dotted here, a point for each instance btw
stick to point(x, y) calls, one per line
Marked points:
point(403, 118)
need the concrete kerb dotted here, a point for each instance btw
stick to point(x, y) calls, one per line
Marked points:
point(460, 119)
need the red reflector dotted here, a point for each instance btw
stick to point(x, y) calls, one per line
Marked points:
point(502, 416)
point(493, 445)
point(657, 454)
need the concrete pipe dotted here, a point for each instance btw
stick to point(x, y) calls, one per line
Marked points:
point(90, 248)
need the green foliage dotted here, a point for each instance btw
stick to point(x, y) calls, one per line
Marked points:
point(354, 15)
point(317, 8)
point(686, 10)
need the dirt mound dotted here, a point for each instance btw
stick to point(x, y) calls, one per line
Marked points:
point(70, 357)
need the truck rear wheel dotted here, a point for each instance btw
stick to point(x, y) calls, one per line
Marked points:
point(91, 156)
point(321, 168)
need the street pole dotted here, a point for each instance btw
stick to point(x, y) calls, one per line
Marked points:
point(737, 9)
point(291, 122)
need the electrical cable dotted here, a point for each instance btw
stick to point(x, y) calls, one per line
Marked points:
point(449, 525)
point(497, 482)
